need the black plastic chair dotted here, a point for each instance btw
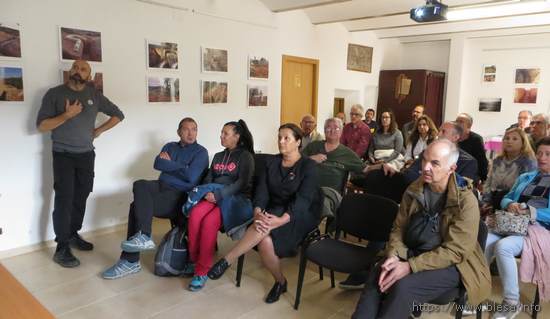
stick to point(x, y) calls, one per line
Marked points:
point(458, 295)
point(364, 216)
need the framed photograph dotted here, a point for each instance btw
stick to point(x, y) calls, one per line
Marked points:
point(163, 89)
point(214, 60)
point(162, 55)
point(96, 80)
point(490, 104)
point(11, 84)
point(525, 95)
point(214, 92)
point(77, 44)
point(527, 76)
point(359, 58)
point(258, 68)
point(489, 73)
point(257, 95)
point(10, 42)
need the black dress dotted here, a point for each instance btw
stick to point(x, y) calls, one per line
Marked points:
point(294, 190)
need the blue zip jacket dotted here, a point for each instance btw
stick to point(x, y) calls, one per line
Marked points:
point(186, 166)
point(543, 214)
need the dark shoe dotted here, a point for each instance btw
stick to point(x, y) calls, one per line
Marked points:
point(275, 292)
point(64, 257)
point(494, 268)
point(77, 242)
point(353, 282)
point(218, 269)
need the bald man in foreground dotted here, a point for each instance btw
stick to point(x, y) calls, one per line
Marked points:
point(69, 111)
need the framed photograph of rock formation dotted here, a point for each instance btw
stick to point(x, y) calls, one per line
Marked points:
point(10, 42)
point(257, 95)
point(213, 60)
point(96, 80)
point(525, 95)
point(162, 55)
point(258, 68)
point(527, 76)
point(78, 44)
point(11, 84)
point(359, 58)
point(489, 73)
point(213, 92)
point(163, 89)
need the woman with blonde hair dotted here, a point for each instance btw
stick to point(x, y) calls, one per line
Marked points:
point(424, 132)
point(517, 157)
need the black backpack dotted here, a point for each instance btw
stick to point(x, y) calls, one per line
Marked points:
point(172, 255)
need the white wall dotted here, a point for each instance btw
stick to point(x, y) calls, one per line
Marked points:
point(427, 55)
point(126, 153)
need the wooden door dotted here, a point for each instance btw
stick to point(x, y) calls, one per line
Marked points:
point(298, 88)
point(338, 106)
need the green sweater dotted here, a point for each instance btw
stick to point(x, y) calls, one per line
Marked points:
point(340, 162)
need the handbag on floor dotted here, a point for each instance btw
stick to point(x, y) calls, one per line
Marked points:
point(172, 254)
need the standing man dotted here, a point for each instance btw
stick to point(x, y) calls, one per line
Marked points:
point(472, 143)
point(69, 111)
point(356, 134)
point(524, 121)
point(370, 121)
point(309, 126)
point(407, 128)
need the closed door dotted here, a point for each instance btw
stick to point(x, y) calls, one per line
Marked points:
point(298, 88)
point(338, 106)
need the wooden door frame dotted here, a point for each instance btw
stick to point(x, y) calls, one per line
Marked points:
point(315, 63)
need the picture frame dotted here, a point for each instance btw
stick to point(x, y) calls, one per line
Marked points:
point(258, 67)
point(163, 89)
point(214, 60)
point(11, 84)
point(214, 92)
point(162, 55)
point(359, 58)
point(10, 42)
point(80, 44)
point(257, 95)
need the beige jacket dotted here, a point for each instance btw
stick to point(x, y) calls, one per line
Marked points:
point(459, 228)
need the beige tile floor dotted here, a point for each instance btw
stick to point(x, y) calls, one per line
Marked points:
point(81, 293)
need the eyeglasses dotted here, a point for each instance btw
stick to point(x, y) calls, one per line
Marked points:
point(330, 129)
point(537, 122)
point(355, 114)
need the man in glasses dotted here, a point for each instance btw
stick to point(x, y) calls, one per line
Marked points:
point(524, 121)
point(356, 134)
point(539, 129)
point(309, 126)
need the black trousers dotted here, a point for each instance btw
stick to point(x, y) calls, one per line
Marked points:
point(152, 199)
point(73, 175)
point(407, 293)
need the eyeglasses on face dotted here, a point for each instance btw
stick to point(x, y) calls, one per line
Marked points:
point(355, 114)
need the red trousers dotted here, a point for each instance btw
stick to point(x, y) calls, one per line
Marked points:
point(205, 220)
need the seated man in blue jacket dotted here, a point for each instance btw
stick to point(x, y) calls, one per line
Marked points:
point(181, 164)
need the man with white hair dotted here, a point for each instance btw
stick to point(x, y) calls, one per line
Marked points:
point(421, 264)
point(524, 121)
point(539, 129)
point(356, 134)
point(472, 143)
point(309, 126)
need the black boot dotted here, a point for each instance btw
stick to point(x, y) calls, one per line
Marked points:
point(218, 269)
point(275, 292)
point(77, 242)
point(64, 257)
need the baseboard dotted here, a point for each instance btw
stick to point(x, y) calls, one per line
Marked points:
point(51, 243)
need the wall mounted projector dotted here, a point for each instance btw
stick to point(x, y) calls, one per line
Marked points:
point(432, 11)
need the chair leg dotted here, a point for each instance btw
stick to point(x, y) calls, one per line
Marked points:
point(479, 311)
point(301, 273)
point(332, 285)
point(240, 265)
point(536, 305)
point(459, 306)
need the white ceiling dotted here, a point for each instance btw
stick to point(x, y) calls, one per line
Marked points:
point(390, 18)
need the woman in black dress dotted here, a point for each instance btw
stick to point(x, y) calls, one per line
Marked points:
point(286, 207)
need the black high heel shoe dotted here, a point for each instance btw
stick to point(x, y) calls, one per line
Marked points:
point(218, 269)
point(275, 292)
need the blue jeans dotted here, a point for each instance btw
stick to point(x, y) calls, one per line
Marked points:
point(505, 249)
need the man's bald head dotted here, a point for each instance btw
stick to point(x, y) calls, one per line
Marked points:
point(439, 162)
point(308, 124)
point(79, 74)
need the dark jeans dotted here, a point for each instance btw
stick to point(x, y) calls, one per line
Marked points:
point(407, 293)
point(152, 199)
point(73, 175)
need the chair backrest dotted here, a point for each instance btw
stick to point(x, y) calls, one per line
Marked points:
point(366, 216)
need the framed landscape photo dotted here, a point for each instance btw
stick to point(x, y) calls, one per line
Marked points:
point(10, 42)
point(163, 89)
point(359, 58)
point(213, 92)
point(11, 84)
point(257, 95)
point(489, 73)
point(258, 68)
point(213, 60)
point(527, 76)
point(162, 55)
point(78, 44)
point(96, 80)
point(490, 104)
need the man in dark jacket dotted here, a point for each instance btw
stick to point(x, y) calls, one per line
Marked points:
point(182, 165)
point(472, 143)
